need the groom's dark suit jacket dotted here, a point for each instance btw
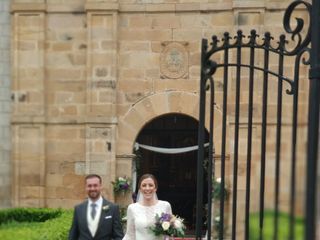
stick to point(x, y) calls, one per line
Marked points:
point(109, 226)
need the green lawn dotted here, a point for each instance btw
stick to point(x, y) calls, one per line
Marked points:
point(283, 229)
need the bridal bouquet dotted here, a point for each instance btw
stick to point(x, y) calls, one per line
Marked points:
point(168, 225)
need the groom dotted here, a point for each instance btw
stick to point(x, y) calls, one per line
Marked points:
point(96, 218)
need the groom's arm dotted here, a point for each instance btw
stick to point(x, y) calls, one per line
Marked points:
point(117, 231)
point(74, 230)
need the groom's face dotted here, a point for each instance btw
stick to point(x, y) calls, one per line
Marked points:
point(93, 188)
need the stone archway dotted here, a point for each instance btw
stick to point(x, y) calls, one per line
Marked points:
point(150, 107)
point(143, 112)
point(156, 105)
point(139, 115)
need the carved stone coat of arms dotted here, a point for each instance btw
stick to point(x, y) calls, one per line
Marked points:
point(174, 60)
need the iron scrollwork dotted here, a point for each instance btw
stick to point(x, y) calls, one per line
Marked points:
point(296, 32)
point(209, 66)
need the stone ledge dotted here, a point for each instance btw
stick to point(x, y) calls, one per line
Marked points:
point(132, 8)
point(65, 8)
point(248, 4)
point(36, 7)
point(27, 7)
point(16, 119)
point(26, 119)
point(158, 7)
point(125, 156)
point(206, 7)
point(101, 7)
point(190, 7)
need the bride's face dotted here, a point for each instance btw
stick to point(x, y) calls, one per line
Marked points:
point(148, 189)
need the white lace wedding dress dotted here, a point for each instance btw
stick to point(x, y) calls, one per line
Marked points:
point(140, 218)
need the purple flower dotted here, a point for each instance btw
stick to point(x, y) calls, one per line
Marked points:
point(165, 217)
point(124, 186)
point(168, 224)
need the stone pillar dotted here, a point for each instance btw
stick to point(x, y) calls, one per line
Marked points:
point(28, 104)
point(101, 59)
point(5, 135)
point(100, 154)
point(102, 18)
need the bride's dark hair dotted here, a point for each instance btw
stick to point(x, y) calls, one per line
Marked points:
point(139, 197)
point(148, 175)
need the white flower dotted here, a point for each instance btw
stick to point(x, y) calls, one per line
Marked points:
point(165, 225)
point(105, 208)
point(218, 180)
point(177, 223)
point(121, 179)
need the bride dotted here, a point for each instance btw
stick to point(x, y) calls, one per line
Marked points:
point(141, 215)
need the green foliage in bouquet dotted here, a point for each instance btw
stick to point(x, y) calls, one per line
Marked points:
point(168, 225)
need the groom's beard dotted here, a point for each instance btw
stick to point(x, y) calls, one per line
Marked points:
point(94, 195)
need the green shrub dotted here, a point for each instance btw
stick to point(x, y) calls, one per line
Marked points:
point(51, 224)
point(58, 228)
point(268, 226)
point(28, 214)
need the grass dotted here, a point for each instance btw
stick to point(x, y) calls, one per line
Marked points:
point(268, 226)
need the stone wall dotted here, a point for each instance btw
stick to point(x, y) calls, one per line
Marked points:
point(89, 74)
point(5, 135)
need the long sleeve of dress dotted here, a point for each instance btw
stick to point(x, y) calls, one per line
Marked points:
point(168, 208)
point(130, 232)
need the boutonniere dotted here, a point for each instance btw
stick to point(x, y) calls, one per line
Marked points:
point(105, 208)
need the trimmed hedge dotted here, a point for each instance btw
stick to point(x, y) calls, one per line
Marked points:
point(28, 214)
point(35, 224)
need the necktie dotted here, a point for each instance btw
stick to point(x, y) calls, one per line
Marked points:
point(93, 210)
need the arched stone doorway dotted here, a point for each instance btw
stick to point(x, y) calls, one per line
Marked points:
point(176, 173)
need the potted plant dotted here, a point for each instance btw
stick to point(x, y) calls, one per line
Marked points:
point(218, 189)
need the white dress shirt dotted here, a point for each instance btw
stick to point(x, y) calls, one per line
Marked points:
point(93, 223)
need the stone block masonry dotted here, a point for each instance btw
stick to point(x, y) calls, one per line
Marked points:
point(5, 139)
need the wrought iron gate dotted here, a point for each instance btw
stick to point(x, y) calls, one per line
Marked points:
point(236, 74)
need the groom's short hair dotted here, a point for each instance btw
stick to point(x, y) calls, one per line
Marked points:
point(93, 175)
